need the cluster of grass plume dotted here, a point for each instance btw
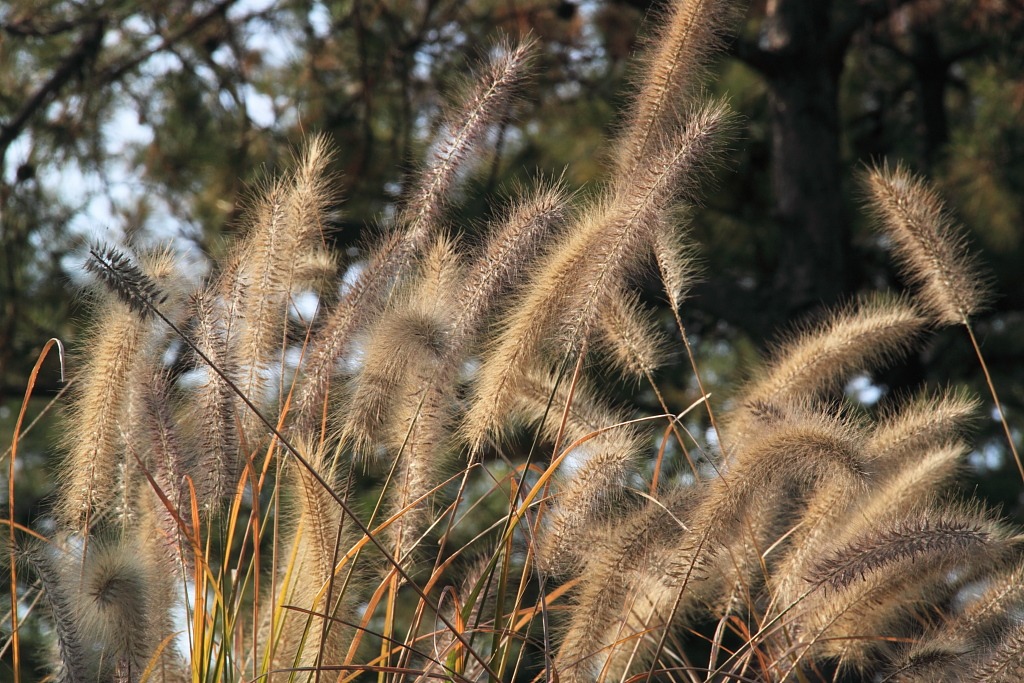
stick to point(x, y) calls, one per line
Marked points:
point(213, 525)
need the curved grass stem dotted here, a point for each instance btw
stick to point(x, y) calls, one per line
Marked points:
point(995, 399)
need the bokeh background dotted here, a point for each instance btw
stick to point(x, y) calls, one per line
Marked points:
point(150, 122)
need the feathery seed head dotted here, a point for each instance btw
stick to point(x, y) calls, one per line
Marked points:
point(907, 487)
point(49, 563)
point(573, 282)
point(605, 459)
point(781, 466)
point(463, 131)
point(419, 218)
point(212, 428)
point(127, 344)
point(674, 254)
point(884, 571)
point(928, 243)
point(999, 603)
point(412, 341)
point(630, 336)
point(859, 337)
point(116, 608)
point(125, 279)
point(853, 511)
point(671, 70)
point(391, 347)
point(805, 429)
point(510, 248)
point(300, 635)
point(942, 535)
point(611, 235)
point(925, 421)
point(934, 660)
point(1005, 662)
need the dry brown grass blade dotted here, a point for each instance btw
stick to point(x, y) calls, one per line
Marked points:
point(29, 387)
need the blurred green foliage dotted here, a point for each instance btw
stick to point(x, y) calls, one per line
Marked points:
point(148, 121)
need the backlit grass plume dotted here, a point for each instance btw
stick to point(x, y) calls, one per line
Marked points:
point(933, 251)
point(465, 129)
point(930, 246)
point(857, 338)
point(559, 308)
point(125, 343)
point(673, 67)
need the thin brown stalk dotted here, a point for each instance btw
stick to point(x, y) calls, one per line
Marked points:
point(1011, 442)
point(673, 255)
point(635, 345)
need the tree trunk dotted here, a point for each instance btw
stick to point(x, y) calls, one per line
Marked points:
point(802, 68)
point(931, 71)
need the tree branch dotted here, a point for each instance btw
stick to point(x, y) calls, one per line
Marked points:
point(114, 72)
point(866, 13)
point(27, 28)
point(87, 49)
